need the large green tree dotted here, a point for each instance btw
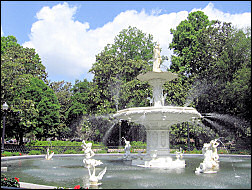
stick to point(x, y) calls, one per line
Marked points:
point(116, 68)
point(80, 106)
point(23, 74)
point(64, 94)
point(214, 59)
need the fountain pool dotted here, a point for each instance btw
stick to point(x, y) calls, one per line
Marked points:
point(70, 171)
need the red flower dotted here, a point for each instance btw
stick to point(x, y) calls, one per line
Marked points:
point(20, 154)
point(77, 187)
point(5, 178)
point(17, 179)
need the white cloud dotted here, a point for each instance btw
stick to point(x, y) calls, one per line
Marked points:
point(237, 20)
point(68, 47)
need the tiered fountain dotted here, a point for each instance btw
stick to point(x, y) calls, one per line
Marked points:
point(158, 119)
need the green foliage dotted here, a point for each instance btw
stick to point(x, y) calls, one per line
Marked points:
point(63, 92)
point(70, 152)
point(115, 69)
point(61, 143)
point(138, 144)
point(34, 152)
point(9, 182)
point(213, 60)
point(6, 153)
point(21, 70)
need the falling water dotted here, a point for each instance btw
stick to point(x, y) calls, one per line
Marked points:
point(231, 120)
point(114, 87)
point(198, 88)
point(208, 130)
point(216, 125)
point(108, 132)
point(229, 157)
point(141, 119)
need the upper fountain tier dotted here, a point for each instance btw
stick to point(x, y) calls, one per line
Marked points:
point(159, 115)
point(156, 79)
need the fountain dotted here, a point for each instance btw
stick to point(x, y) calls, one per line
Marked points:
point(158, 118)
point(211, 158)
point(91, 163)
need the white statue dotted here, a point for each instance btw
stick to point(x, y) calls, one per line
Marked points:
point(49, 156)
point(151, 100)
point(210, 163)
point(91, 163)
point(156, 59)
point(163, 99)
point(179, 155)
point(126, 148)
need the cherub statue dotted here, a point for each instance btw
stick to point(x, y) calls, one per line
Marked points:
point(88, 152)
point(126, 148)
point(210, 163)
point(214, 145)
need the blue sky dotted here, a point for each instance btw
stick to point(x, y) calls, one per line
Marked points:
point(82, 28)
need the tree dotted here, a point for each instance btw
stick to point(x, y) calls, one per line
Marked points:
point(23, 85)
point(46, 102)
point(214, 58)
point(116, 68)
point(64, 95)
point(79, 108)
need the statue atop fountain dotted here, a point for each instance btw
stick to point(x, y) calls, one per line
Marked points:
point(49, 156)
point(210, 163)
point(126, 149)
point(91, 163)
point(156, 59)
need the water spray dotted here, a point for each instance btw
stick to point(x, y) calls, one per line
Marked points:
point(237, 176)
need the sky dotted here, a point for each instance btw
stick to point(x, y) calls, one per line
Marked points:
point(68, 35)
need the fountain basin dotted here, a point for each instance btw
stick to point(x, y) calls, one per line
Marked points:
point(160, 117)
point(69, 172)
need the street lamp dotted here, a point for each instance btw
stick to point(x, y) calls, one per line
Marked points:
point(5, 108)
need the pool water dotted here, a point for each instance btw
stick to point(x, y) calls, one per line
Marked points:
point(234, 173)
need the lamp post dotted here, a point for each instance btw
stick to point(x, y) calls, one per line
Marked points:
point(5, 108)
point(120, 133)
point(188, 137)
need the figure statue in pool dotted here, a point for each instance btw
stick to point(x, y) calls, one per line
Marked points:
point(49, 156)
point(210, 163)
point(127, 148)
point(91, 163)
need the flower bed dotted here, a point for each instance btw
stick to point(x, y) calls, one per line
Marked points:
point(9, 182)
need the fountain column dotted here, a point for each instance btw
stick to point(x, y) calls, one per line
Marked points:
point(157, 91)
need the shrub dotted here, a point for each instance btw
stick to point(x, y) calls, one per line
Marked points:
point(101, 151)
point(70, 152)
point(223, 151)
point(5, 153)
point(9, 182)
point(34, 152)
